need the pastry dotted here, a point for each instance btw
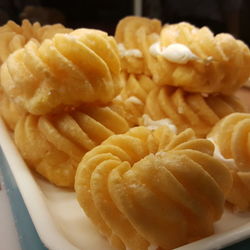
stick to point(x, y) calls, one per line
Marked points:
point(152, 188)
point(131, 101)
point(9, 111)
point(198, 61)
point(231, 137)
point(134, 36)
point(13, 36)
point(60, 140)
point(194, 110)
point(65, 71)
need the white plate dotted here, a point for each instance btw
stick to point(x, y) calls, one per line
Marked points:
point(62, 225)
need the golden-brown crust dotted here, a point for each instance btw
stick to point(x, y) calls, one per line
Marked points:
point(10, 112)
point(67, 70)
point(141, 188)
point(190, 110)
point(137, 33)
point(14, 36)
point(221, 64)
point(131, 100)
point(61, 140)
point(231, 137)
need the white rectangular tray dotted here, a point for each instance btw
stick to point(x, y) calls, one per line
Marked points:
point(62, 225)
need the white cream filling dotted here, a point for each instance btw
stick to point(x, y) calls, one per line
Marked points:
point(176, 52)
point(230, 163)
point(118, 98)
point(135, 100)
point(128, 52)
point(153, 125)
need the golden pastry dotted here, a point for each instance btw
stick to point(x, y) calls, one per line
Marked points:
point(61, 140)
point(155, 188)
point(9, 111)
point(134, 35)
point(13, 36)
point(131, 101)
point(67, 70)
point(231, 137)
point(190, 110)
point(196, 60)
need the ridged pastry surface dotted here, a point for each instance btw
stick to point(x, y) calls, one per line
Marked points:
point(14, 36)
point(156, 188)
point(231, 137)
point(67, 70)
point(134, 36)
point(203, 62)
point(53, 145)
point(131, 100)
point(195, 110)
point(10, 112)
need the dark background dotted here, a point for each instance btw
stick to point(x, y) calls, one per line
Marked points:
point(232, 16)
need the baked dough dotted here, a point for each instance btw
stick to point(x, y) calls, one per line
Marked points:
point(131, 101)
point(53, 145)
point(198, 61)
point(9, 111)
point(134, 36)
point(14, 36)
point(185, 109)
point(231, 137)
point(65, 71)
point(156, 188)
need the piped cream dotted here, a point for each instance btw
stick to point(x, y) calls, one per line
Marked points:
point(153, 125)
point(176, 52)
point(230, 163)
point(135, 100)
point(128, 52)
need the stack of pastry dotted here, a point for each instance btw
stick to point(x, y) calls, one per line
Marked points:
point(153, 188)
point(146, 188)
point(121, 119)
point(55, 94)
point(195, 73)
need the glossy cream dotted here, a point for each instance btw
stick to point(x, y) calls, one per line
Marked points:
point(128, 52)
point(176, 52)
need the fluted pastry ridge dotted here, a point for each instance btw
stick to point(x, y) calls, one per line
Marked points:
point(152, 187)
point(231, 137)
point(216, 63)
point(67, 70)
point(134, 36)
point(195, 110)
point(131, 100)
point(14, 36)
point(61, 140)
point(9, 111)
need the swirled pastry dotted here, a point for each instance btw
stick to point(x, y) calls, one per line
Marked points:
point(131, 101)
point(67, 70)
point(61, 140)
point(13, 36)
point(198, 61)
point(231, 137)
point(152, 187)
point(9, 111)
point(194, 110)
point(134, 36)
